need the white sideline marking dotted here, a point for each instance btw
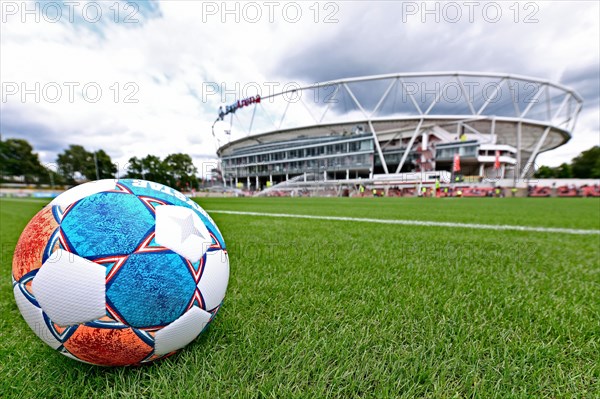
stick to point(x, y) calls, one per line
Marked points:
point(36, 200)
point(417, 222)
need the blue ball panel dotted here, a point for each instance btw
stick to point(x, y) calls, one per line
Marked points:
point(172, 197)
point(107, 224)
point(151, 289)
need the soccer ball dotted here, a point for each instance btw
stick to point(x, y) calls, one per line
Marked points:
point(120, 272)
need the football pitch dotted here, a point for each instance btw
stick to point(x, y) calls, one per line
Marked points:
point(336, 304)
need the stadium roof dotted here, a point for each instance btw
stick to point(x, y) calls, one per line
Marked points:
point(534, 115)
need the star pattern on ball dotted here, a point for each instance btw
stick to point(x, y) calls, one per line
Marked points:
point(187, 227)
point(182, 231)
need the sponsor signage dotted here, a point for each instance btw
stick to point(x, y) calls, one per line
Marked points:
point(237, 105)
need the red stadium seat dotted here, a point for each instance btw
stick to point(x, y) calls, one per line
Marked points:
point(566, 191)
point(538, 191)
point(590, 191)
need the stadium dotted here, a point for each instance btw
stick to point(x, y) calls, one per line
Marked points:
point(396, 130)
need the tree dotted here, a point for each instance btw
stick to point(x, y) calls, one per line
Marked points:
point(135, 170)
point(52, 178)
point(154, 169)
point(182, 172)
point(587, 164)
point(18, 159)
point(106, 168)
point(76, 162)
point(564, 171)
point(72, 162)
point(545, 172)
point(176, 170)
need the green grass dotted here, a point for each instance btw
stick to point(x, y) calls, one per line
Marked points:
point(340, 309)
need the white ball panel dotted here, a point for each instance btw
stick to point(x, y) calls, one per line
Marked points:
point(197, 207)
point(182, 231)
point(84, 190)
point(70, 289)
point(34, 318)
point(215, 277)
point(181, 332)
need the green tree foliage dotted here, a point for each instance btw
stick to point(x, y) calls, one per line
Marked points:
point(18, 159)
point(72, 162)
point(150, 168)
point(135, 169)
point(154, 169)
point(176, 170)
point(182, 172)
point(564, 171)
point(76, 161)
point(106, 168)
point(587, 164)
point(545, 172)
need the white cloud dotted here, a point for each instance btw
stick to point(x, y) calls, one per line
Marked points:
point(170, 55)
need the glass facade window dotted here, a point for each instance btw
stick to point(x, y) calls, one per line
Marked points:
point(463, 151)
point(333, 154)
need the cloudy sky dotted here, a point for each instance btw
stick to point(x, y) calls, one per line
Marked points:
point(134, 78)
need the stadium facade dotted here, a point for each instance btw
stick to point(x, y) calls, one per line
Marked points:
point(398, 128)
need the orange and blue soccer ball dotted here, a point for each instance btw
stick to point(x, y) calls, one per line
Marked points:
point(120, 272)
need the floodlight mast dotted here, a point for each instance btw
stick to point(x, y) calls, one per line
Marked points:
point(96, 165)
point(218, 144)
point(212, 128)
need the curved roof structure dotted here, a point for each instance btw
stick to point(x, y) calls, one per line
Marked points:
point(530, 114)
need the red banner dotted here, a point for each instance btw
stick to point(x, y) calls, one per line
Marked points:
point(456, 164)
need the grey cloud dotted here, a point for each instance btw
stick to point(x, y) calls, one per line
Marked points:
point(585, 80)
point(378, 42)
point(17, 122)
point(44, 138)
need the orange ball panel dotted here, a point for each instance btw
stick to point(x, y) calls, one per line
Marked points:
point(30, 248)
point(107, 346)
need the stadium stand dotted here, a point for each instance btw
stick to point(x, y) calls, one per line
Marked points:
point(590, 191)
point(567, 191)
point(536, 191)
